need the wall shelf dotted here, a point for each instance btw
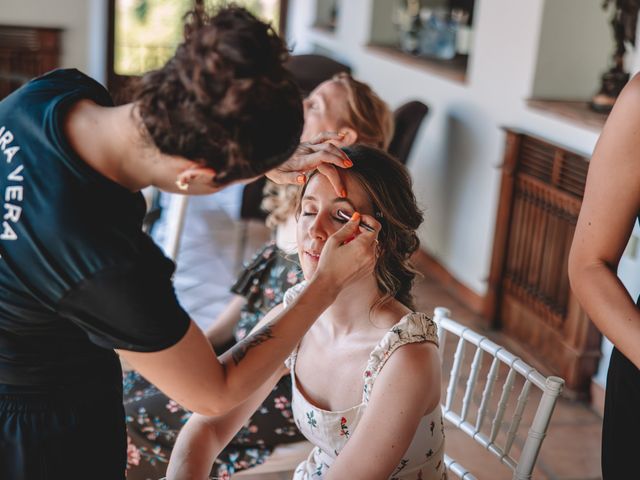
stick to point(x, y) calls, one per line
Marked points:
point(576, 112)
point(323, 28)
point(455, 69)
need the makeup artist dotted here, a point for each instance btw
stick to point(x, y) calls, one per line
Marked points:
point(79, 279)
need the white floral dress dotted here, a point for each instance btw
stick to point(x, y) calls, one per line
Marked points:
point(329, 431)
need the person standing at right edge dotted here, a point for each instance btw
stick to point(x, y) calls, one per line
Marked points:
point(78, 277)
point(609, 211)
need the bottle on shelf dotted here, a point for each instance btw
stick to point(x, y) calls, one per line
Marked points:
point(438, 35)
point(410, 27)
point(464, 33)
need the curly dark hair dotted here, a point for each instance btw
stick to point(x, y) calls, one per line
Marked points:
point(388, 185)
point(225, 99)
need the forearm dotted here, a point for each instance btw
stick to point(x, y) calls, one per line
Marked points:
point(610, 307)
point(253, 360)
point(194, 452)
point(203, 438)
point(190, 373)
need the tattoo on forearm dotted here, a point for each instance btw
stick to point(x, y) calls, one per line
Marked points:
point(240, 351)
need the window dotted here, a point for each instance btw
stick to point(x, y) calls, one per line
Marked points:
point(143, 34)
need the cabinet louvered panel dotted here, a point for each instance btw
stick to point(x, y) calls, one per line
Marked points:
point(573, 175)
point(25, 53)
point(536, 258)
point(529, 292)
point(536, 160)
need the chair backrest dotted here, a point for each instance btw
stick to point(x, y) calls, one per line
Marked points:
point(408, 118)
point(251, 204)
point(154, 208)
point(310, 70)
point(497, 420)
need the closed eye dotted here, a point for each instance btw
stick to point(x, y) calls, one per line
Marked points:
point(342, 216)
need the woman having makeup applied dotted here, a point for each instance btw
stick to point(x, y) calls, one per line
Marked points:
point(366, 376)
point(341, 104)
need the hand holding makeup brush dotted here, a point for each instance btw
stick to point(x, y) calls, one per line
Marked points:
point(350, 253)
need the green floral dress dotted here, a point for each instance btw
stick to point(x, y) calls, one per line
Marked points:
point(154, 420)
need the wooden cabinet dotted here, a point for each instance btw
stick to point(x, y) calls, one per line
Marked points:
point(26, 52)
point(529, 295)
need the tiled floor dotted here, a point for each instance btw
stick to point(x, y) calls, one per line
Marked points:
point(205, 271)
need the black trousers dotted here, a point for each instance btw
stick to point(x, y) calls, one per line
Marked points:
point(67, 434)
point(621, 429)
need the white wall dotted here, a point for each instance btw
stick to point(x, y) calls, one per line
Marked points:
point(84, 23)
point(456, 158)
point(574, 50)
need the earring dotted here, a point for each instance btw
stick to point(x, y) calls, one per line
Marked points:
point(182, 185)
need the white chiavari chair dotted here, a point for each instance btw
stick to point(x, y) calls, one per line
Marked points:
point(474, 410)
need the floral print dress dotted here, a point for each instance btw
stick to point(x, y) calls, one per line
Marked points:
point(330, 431)
point(154, 420)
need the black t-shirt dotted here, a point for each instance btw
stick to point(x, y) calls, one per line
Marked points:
point(78, 277)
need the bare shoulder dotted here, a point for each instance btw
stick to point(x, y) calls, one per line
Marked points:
point(615, 167)
point(623, 124)
point(416, 357)
point(413, 374)
point(633, 87)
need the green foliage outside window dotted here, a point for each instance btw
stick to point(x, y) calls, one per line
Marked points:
point(147, 32)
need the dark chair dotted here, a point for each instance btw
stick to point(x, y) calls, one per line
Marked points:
point(310, 70)
point(250, 209)
point(408, 118)
point(154, 209)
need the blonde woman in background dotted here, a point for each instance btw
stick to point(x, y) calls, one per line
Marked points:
point(345, 111)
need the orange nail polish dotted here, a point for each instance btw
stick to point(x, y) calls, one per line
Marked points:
point(355, 216)
point(301, 179)
point(343, 193)
point(347, 163)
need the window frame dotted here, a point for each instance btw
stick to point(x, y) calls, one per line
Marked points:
point(117, 83)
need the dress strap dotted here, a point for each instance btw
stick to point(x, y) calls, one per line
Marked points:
point(412, 328)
